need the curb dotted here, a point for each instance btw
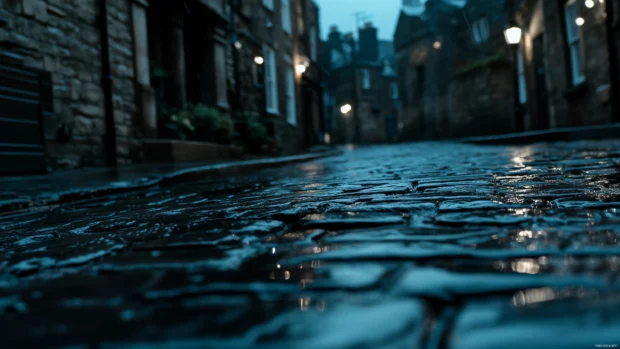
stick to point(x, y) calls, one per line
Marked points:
point(608, 131)
point(187, 175)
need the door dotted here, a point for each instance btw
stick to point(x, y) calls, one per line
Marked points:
point(25, 98)
point(541, 118)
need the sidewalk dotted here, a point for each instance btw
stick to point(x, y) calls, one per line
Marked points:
point(608, 131)
point(19, 192)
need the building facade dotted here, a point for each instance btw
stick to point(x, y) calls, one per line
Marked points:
point(568, 61)
point(64, 40)
point(110, 76)
point(360, 76)
point(454, 71)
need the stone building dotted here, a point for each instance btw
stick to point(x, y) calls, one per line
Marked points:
point(361, 75)
point(481, 91)
point(423, 44)
point(285, 33)
point(568, 61)
point(107, 80)
point(454, 70)
point(90, 122)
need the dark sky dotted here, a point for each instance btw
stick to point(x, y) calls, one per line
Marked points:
point(383, 13)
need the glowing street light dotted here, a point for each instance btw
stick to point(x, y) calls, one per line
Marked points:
point(259, 60)
point(589, 3)
point(580, 21)
point(345, 109)
point(513, 35)
point(301, 68)
point(437, 45)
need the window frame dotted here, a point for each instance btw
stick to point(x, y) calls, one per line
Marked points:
point(395, 92)
point(271, 80)
point(313, 43)
point(221, 84)
point(285, 16)
point(574, 38)
point(481, 30)
point(290, 93)
point(366, 84)
point(268, 4)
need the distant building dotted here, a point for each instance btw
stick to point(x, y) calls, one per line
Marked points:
point(361, 75)
point(568, 61)
point(453, 69)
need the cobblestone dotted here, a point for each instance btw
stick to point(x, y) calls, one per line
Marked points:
point(429, 245)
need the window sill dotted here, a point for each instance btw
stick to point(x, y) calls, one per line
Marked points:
point(576, 92)
point(273, 112)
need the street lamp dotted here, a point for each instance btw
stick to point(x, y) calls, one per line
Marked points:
point(345, 109)
point(301, 68)
point(513, 35)
point(259, 60)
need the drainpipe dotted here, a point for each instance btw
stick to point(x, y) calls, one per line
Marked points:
point(233, 4)
point(614, 83)
point(106, 85)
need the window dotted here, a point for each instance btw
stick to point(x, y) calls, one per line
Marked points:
point(313, 36)
point(337, 60)
point(394, 90)
point(268, 4)
point(521, 78)
point(291, 106)
point(286, 15)
point(481, 30)
point(271, 83)
point(365, 79)
point(220, 76)
point(573, 38)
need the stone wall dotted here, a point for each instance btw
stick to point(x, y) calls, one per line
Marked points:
point(482, 101)
point(62, 37)
point(576, 105)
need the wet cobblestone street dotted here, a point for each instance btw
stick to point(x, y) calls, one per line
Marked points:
point(429, 245)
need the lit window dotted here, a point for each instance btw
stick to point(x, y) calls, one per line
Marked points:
point(286, 15)
point(573, 38)
point(365, 79)
point(271, 84)
point(522, 85)
point(291, 106)
point(480, 30)
point(268, 4)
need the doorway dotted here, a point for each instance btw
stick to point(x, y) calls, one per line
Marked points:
point(541, 118)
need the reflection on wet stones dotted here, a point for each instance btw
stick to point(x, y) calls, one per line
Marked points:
point(419, 245)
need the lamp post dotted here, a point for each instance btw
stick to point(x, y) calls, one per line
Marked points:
point(513, 36)
point(345, 109)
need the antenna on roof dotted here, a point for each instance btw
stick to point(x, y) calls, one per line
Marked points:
point(360, 18)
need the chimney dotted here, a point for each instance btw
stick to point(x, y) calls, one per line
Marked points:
point(333, 40)
point(368, 43)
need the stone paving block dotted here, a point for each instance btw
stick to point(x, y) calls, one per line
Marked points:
point(416, 246)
